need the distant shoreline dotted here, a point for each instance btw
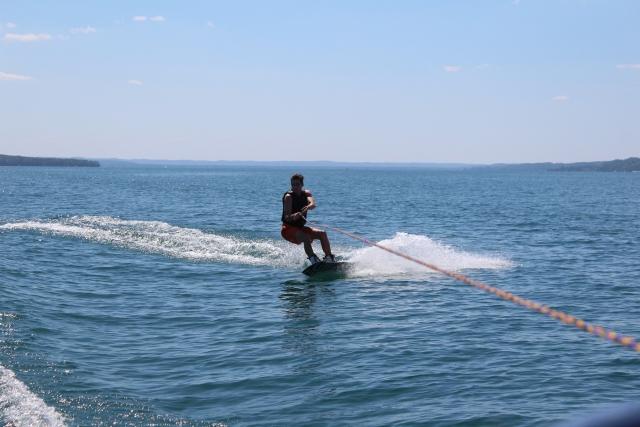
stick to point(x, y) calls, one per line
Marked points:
point(632, 164)
point(46, 161)
point(286, 164)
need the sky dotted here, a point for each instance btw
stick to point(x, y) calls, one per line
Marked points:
point(452, 81)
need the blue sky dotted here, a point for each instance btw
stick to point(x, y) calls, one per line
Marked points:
point(400, 81)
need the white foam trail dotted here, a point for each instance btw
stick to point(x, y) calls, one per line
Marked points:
point(20, 407)
point(195, 245)
point(371, 261)
point(162, 238)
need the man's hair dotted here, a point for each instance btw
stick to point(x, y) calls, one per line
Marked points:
point(299, 177)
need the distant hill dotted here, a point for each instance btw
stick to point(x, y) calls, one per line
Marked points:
point(45, 161)
point(517, 167)
point(137, 163)
point(632, 164)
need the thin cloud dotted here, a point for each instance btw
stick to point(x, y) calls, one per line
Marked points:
point(452, 68)
point(139, 18)
point(27, 37)
point(516, 1)
point(635, 66)
point(83, 30)
point(560, 98)
point(158, 18)
point(134, 82)
point(61, 37)
point(485, 65)
point(11, 25)
point(210, 24)
point(5, 76)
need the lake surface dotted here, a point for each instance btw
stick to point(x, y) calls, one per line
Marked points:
point(166, 297)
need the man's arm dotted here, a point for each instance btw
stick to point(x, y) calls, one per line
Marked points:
point(288, 203)
point(312, 203)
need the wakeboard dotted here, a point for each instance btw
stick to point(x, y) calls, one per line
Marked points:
point(327, 268)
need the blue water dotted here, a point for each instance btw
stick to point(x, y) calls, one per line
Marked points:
point(166, 297)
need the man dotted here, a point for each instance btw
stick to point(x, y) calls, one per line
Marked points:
point(295, 204)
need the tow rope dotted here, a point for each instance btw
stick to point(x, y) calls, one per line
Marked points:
point(596, 330)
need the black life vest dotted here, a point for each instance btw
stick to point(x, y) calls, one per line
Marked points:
point(297, 203)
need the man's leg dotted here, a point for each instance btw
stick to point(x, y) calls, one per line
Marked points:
point(324, 240)
point(306, 241)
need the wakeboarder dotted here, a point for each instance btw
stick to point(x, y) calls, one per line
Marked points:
point(295, 204)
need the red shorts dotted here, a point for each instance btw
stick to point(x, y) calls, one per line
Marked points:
point(289, 232)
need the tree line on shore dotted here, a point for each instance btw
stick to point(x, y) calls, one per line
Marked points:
point(45, 161)
point(632, 164)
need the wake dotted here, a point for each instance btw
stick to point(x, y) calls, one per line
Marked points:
point(155, 237)
point(20, 407)
point(194, 245)
point(371, 261)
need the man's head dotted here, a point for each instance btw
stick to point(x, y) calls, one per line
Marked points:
point(297, 181)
